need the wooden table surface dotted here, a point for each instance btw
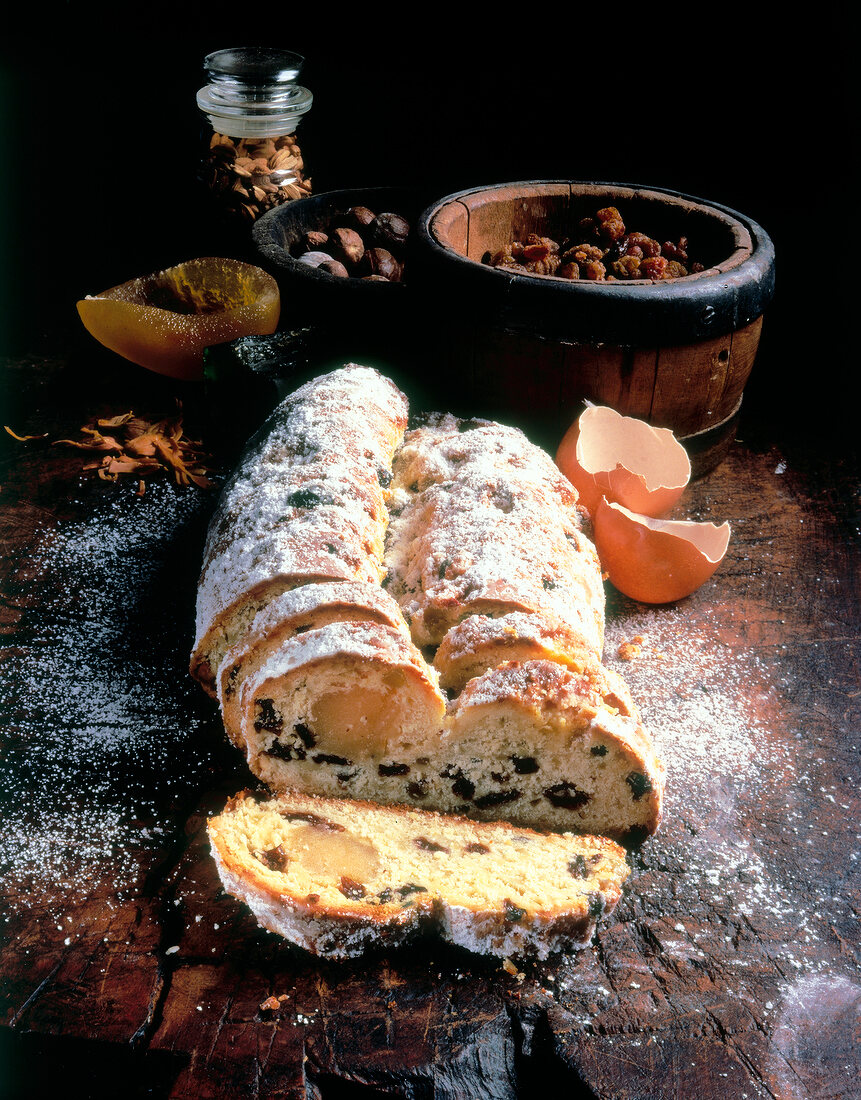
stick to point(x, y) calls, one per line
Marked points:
point(729, 970)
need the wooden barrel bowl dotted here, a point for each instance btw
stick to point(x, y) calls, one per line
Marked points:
point(531, 349)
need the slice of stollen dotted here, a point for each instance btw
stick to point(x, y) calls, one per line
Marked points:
point(561, 748)
point(482, 642)
point(340, 877)
point(335, 706)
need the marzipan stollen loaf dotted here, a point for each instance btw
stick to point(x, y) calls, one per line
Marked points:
point(487, 564)
point(338, 877)
point(413, 619)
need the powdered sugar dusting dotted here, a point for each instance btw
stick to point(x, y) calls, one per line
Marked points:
point(361, 641)
point(694, 690)
point(306, 498)
point(101, 708)
point(483, 520)
point(712, 710)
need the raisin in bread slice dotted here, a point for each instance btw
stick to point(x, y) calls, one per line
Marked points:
point(482, 642)
point(483, 522)
point(339, 877)
point(331, 707)
point(306, 503)
point(292, 613)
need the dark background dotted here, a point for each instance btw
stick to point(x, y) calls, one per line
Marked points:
point(101, 137)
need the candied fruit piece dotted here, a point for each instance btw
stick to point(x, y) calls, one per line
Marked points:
point(655, 267)
point(163, 321)
point(610, 224)
point(330, 854)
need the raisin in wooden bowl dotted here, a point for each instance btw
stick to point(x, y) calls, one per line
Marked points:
point(529, 346)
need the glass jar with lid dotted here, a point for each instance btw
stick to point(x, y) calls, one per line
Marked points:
point(251, 159)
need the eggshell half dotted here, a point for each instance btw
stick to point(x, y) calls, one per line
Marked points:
point(626, 460)
point(654, 560)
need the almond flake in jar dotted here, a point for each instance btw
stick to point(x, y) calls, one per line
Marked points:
point(244, 187)
point(252, 105)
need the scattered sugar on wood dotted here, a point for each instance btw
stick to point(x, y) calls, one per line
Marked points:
point(100, 706)
point(712, 712)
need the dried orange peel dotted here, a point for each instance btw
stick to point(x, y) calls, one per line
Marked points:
point(165, 320)
point(132, 445)
point(24, 438)
point(129, 444)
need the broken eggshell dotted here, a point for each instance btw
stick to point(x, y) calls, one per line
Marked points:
point(625, 460)
point(654, 560)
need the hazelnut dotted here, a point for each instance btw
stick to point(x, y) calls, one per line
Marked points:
point(334, 267)
point(315, 240)
point(346, 245)
point(359, 217)
point(314, 259)
point(379, 261)
point(390, 231)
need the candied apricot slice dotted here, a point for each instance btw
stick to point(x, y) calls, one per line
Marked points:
point(163, 321)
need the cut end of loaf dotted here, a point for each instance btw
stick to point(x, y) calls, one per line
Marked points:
point(301, 609)
point(337, 702)
point(583, 759)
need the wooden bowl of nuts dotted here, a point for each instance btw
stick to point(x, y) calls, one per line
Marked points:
point(340, 243)
point(342, 260)
point(560, 292)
